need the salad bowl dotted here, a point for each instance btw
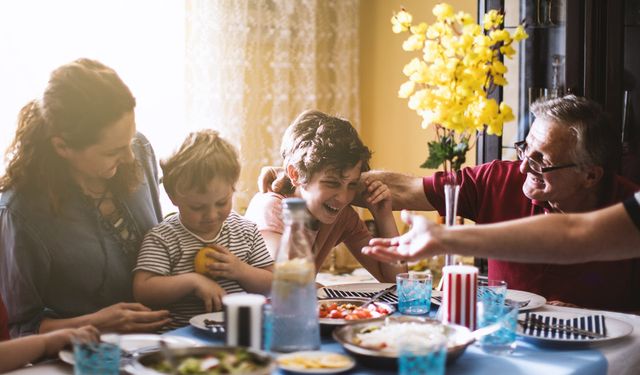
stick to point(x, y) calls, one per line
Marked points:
point(230, 360)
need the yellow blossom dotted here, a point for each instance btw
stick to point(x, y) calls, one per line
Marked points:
point(419, 29)
point(499, 80)
point(499, 67)
point(448, 84)
point(499, 35)
point(401, 21)
point(413, 43)
point(464, 18)
point(411, 67)
point(493, 19)
point(507, 50)
point(443, 11)
point(406, 89)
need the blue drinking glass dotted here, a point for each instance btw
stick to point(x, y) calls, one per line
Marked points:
point(414, 292)
point(503, 341)
point(420, 355)
point(97, 358)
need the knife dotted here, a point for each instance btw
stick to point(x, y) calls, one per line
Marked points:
point(560, 327)
point(379, 294)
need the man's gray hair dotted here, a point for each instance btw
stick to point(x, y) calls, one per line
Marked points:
point(596, 143)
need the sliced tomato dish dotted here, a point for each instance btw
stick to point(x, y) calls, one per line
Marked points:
point(349, 311)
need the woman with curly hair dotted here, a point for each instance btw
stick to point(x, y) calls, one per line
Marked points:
point(79, 193)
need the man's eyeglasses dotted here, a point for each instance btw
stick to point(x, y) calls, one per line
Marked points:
point(521, 148)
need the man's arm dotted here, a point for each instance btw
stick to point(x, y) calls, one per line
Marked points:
point(407, 192)
point(603, 235)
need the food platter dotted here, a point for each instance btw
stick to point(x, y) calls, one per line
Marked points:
point(376, 308)
point(315, 362)
point(458, 338)
point(327, 324)
point(258, 362)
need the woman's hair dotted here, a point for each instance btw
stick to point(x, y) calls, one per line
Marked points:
point(82, 99)
point(315, 141)
point(203, 156)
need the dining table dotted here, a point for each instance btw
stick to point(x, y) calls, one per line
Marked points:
point(620, 356)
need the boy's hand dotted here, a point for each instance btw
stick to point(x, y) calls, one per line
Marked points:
point(377, 196)
point(227, 265)
point(208, 291)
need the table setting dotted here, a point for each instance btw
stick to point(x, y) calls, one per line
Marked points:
point(533, 339)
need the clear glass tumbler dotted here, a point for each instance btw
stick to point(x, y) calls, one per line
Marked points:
point(503, 341)
point(414, 292)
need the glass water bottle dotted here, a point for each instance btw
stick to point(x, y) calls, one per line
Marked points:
point(293, 293)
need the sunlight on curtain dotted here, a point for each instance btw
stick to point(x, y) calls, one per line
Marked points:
point(252, 66)
point(142, 40)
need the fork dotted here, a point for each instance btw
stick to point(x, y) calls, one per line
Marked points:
point(377, 296)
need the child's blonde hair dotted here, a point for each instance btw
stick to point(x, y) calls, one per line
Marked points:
point(203, 156)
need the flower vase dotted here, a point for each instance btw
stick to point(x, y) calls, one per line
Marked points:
point(451, 192)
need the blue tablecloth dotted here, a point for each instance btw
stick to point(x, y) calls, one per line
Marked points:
point(527, 359)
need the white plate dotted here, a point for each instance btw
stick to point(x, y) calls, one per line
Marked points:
point(615, 329)
point(137, 341)
point(198, 320)
point(311, 355)
point(535, 301)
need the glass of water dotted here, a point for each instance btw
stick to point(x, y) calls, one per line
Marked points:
point(492, 293)
point(414, 292)
point(422, 354)
point(503, 341)
point(97, 358)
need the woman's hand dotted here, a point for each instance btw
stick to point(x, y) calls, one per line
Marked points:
point(208, 291)
point(226, 264)
point(127, 317)
point(57, 340)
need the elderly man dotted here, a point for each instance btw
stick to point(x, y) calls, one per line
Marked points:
point(567, 165)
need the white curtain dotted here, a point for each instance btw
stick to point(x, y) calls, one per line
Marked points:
point(253, 65)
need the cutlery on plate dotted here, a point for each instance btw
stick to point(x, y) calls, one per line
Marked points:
point(560, 327)
point(378, 295)
point(138, 351)
point(518, 304)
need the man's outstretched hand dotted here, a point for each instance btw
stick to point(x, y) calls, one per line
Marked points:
point(421, 241)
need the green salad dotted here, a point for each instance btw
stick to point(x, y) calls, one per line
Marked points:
point(239, 361)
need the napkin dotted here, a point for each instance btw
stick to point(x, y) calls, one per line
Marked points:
point(391, 298)
point(592, 323)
